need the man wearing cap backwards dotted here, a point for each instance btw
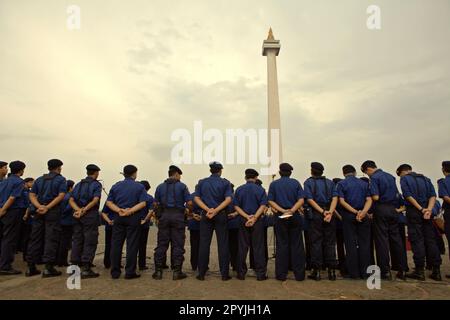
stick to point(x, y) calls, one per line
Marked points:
point(444, 193)
point(250, 202)
point(171, 197)
point(355, 200)
point(126, 199)
point(12, 208)
point(213, 195)
point(85, 201)
point(420, 197)
point(46, 195)
point(385, 196)
point(286, 197)
point(322, 197)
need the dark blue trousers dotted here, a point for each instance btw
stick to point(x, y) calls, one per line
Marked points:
point(254, 237)
point(357, 244)
point(11, 226)
point(125, 228)
point(207, 226)
point(289, 244)
point(171, 230)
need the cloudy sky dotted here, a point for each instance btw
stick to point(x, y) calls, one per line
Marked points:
point(112, 92)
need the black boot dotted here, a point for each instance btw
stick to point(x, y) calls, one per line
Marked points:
point(386, 276)
point(417, 274)
point(436, 274)
point(50, 271)
point(178, 274)
point(88, 272)
point(315, 274)
point(157, 275)
point(32, 270)
point(401, 275)
point(331, 274)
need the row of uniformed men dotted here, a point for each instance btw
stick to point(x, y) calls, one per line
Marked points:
point(212, 197)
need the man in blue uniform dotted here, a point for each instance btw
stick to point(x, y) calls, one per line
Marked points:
point(286, 197)
point(194, 232)
point(444, 194)
point(67, 223)
point(46, 195)
point(213, 195)
point(420, 197)
point(233, 233)
point(108, 217)
point(250, 202)
point(146, 215)
point(12, 210)
point(27, 219)
point(85, 201)
point(321, 196)
point(355, 201)
point(385, 196)
point(3, 173)
point(126, 199)
point(171, 197)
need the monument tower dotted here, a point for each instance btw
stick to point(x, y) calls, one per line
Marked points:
point(271, 49)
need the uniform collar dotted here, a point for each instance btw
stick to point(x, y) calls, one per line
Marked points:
point(215, 175)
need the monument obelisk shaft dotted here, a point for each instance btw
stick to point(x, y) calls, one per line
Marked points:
point(271, 49)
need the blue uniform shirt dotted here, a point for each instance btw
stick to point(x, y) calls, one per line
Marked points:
point(193, 224)
point(213, 190)
point(67, 218)
point(86, 190)
point(48, 187)
point(444, 190)
point(354, 191)
point(320, 189)
point(111, 215)
point(148, 206)
point(417, 186)
point(172, 194)
point(13, 186)
point(285, 192)
point(383, 184)
point(249, 197)
point(127, 193)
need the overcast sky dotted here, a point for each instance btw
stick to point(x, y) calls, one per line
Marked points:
point(113, 92)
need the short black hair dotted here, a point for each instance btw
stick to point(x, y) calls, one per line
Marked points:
point(26, 180)
point(368, 164)
point(403, 167)
point(70, 184)
point(214, 170)
point(316, 172)
point(348, 168)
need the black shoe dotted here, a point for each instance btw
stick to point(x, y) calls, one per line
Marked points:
point(386, 276)
point(157, 275)
point(165, 267)
point(178, 274)
point(88, 273)
point(200, 277)
point(262, 278)
point(50, 272)
point(401, 275)
point(10, 272)
point(417, 274)
point(115, 276)
point(281, 279)
point(240, 277)
point(226, 278)
point(143, 268)
point(331, 274)
point(447, 276)
point(32, 271)
point(132, 276)
point(436, 274)
point(315, 275)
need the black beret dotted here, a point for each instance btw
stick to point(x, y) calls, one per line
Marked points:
point(348, 168)
point(54, 163)
point(92, 167)
point(129, 169)
point(317, 166)
point(251, 173)
point(3, 163)
point(286, 167)
point(146, 184)
point(259, 182)
point(446, 165)
point(403, 167)
point(16, 166)
point(26, 180)
point(215, 165)
point(368, 164)
point(175, 168)
point(70, 184)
